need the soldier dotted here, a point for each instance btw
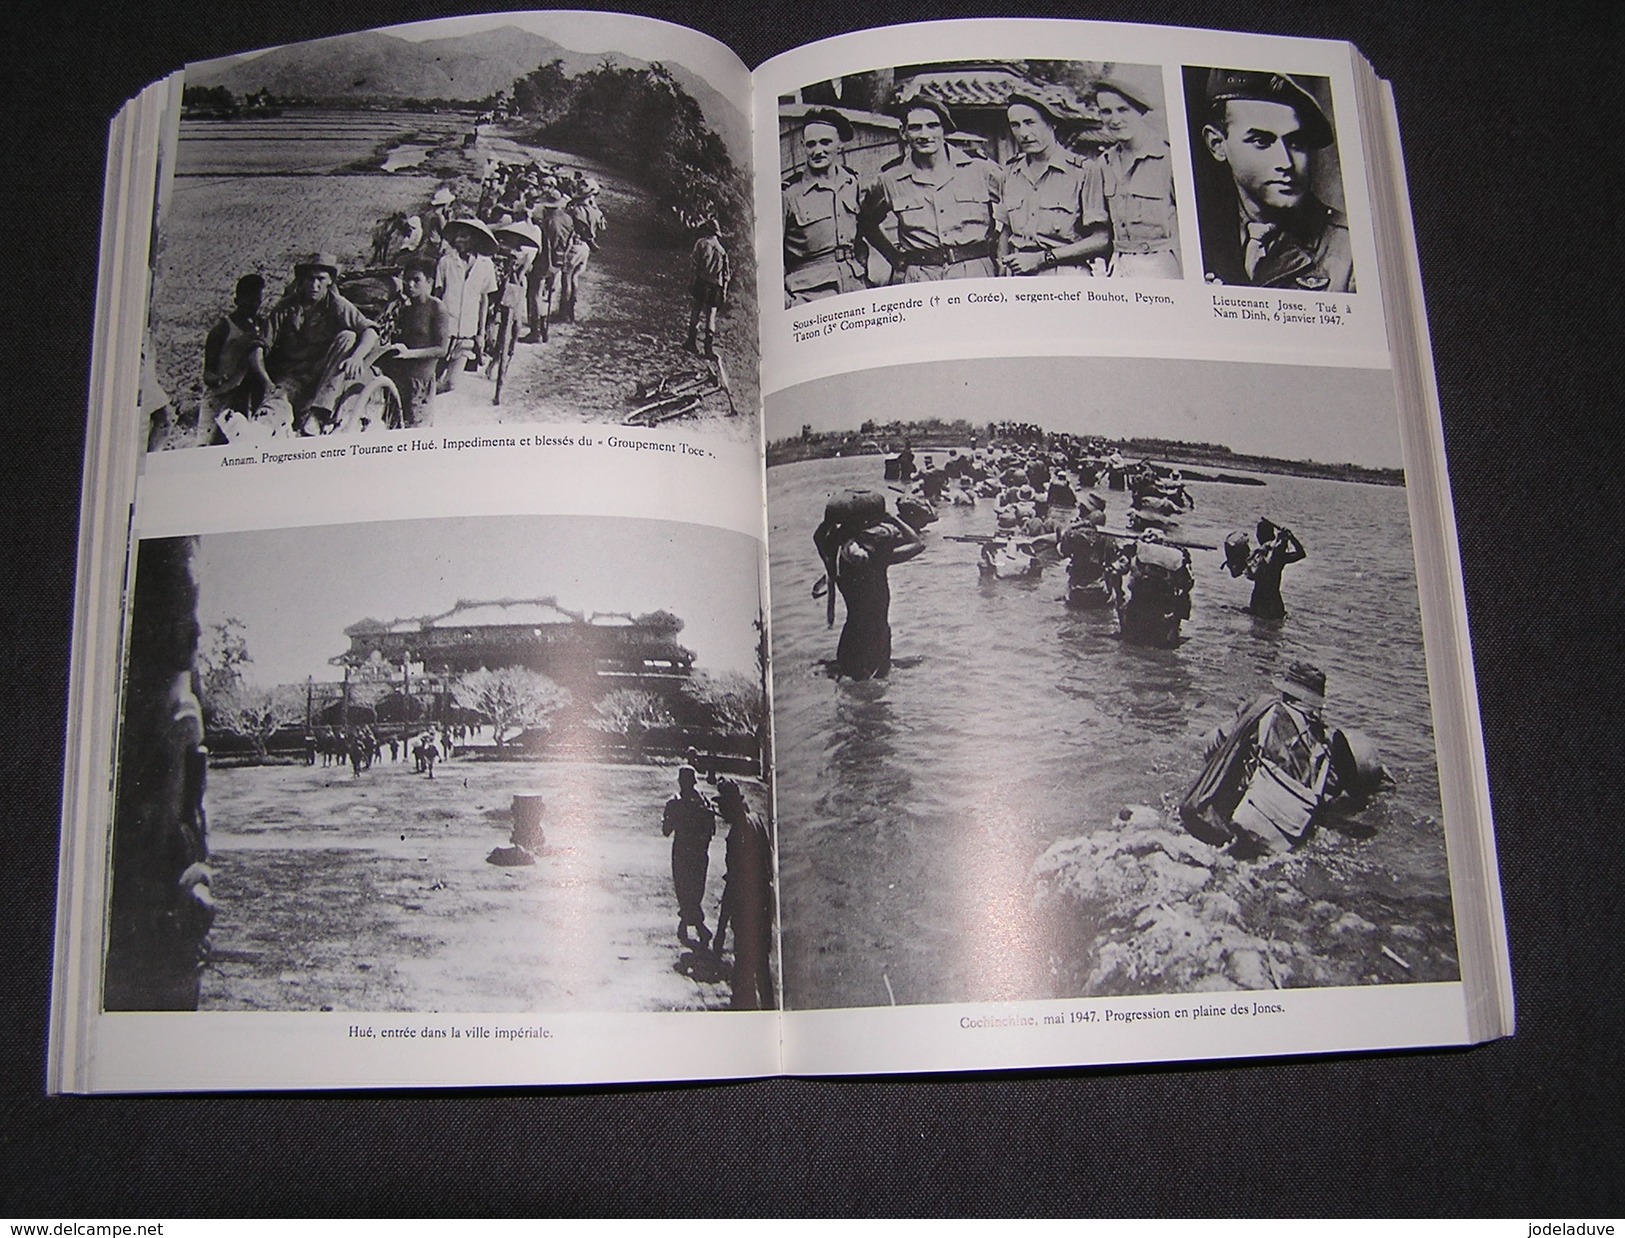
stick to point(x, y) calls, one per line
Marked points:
point(822, 251)
point(549, 215)
point(1272, 232)
point(518, 245)
point(161, 909)
point(1277, 549)
point(858, 542)
point(1057, 216)
point(316, 343)
point(707, 290)
point(747, 900)
point(1287, 732)
point(586, 223)
point(689, 822)
point(434, 220)
point(1137, 180)
point(1087, 551)
point(464, 280)
point(948, 206)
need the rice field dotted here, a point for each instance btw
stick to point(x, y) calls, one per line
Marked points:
point(215, 232)
point(308, 143)
point(257, 195)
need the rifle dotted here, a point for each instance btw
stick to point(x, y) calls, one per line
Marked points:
point(981, 539)
point(1167, 541)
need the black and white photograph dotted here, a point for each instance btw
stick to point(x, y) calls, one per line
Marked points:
point(1269, 188)
point(974, 169)
point(1099, 678)
point(525, 218)
point(445, 765)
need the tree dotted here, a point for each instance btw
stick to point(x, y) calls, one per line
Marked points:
point(626, 711)
point(544, 92)
point(661, 621)
point(644, 121)
point(256, 714)
point(223, 655)
point(209, 100)
point(222, 659)
point(1079, 76)
point(514, 698)
point(730, 702)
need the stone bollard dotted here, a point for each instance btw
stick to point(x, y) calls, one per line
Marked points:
point(528, 808)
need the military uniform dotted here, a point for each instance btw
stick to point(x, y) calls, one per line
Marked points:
point(1056, 204)
point(821, 236)
point(306, 344)
point(1307, 251)
point(947, 216)
point(1139, 193)
point(689, 822)
point(161, 907)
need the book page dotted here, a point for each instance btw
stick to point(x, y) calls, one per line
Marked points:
point(429, 740)
point(1102, 699)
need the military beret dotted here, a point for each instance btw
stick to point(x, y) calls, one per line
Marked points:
point(1224, 85)
point(1050, 106)
point(903, 107)
point(1135, 98)
point(829, 116)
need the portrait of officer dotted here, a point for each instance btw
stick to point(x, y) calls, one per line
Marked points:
point(1054, 209)
point(1137, 182)
point(1261, 223)
point(945, 205)
point(823, 255)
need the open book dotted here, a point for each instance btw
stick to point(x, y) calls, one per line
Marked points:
point(599, 564)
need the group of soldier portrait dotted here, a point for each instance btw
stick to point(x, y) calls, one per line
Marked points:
point(979, 171)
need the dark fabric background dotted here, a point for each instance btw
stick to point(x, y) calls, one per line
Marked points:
point(1512, 119)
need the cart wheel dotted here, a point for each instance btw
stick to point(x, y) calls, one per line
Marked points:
point(376, 406)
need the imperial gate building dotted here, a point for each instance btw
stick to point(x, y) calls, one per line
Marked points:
point(413, 661)
point(588, 653)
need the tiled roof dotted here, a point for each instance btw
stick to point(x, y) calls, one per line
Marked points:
point(492, 614)
point(987, 87)
point(966, 87)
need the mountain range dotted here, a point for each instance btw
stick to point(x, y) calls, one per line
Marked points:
point(373, 65)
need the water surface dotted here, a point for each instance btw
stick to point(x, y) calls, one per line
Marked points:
point(911, 810)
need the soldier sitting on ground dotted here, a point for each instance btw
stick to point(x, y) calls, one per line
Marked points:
point(316, 343)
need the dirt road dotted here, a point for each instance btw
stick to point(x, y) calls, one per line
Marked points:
point(631, 318)
point(631, 321)
point(374, 893)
